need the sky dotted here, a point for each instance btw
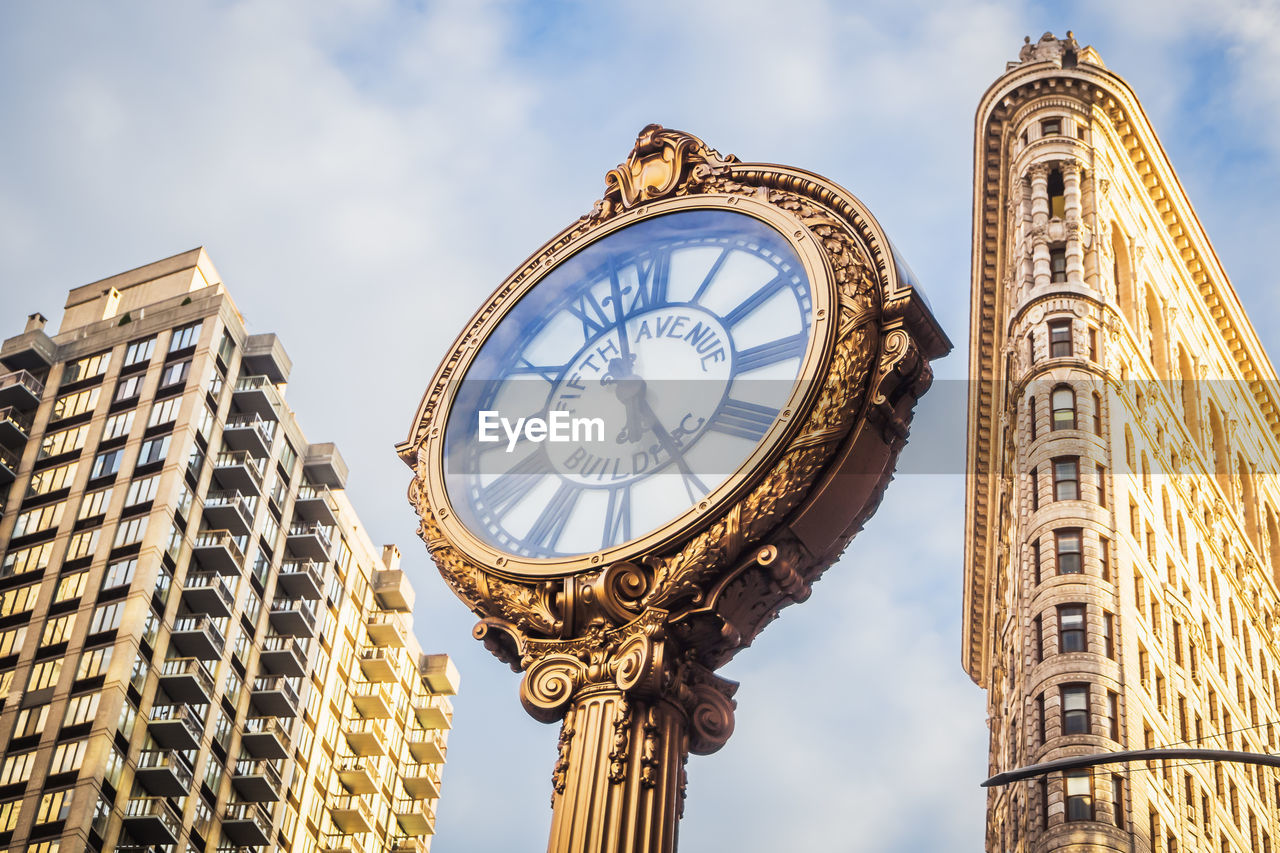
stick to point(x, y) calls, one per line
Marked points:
point(364, 172)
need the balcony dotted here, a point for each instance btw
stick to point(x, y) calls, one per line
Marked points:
point(264, 355)
point(250, 433)
point(246, 824)
point(342, 844)
point(359, 775)
point(175, 726)
point(301, 579)
point(230, 511)
point(293, 617)
point(197, 637)
point(15, 427)
point(164, 772)
point(283, 656)
point(365, 737)
point(392, 589)
point(186, 680)
point(208, 594)
point(409, 845)
point(257, 395)
point(265, 737)
point(257, 781)
point(426, 747)
point(31, 350)
point(323, 465)
point(239, 470)
point(218, 551)
point(20, 390)
point(351, 814)
point(151, 821)
point(379, 664)
point(309, 540)
point(274, 696)
point(9, 463)
point(372, 701)
point(421, 780)
point(439, 673)
point(433, 712)
point(416, 817)
point(315, 504)
point(386, 629)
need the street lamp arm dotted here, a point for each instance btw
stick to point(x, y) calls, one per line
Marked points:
point(1077, 762)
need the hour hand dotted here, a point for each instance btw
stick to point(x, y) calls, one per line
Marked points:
point(629, 389)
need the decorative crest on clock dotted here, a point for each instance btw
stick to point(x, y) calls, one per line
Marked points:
point(658, 164)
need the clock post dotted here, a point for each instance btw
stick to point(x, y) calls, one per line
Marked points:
point(619, 576)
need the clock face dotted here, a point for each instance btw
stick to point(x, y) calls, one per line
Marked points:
point(628, 385)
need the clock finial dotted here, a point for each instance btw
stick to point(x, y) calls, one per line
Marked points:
point(660, 162)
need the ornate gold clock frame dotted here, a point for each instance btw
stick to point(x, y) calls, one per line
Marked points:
point(622, 646)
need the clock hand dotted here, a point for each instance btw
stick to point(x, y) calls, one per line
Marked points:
point(629, 389)
point(619, 317)
point(673, 450)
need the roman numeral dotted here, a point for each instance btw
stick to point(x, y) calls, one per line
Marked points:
point(549, 372)
point(771, 353)
point(510, 488)
point(617, 517)
point(592, 314)
point(551, 521)
point(653, 277)
point(710, 276)
point(745, 420)
point(755, 300)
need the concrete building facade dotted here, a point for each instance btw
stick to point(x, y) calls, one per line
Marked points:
point(1122, 540)
point(200, 648)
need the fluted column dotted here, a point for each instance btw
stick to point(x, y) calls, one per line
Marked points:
point(1040, 272)
point(1072, 211)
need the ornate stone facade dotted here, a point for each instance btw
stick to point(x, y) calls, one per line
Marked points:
point(1122, 540)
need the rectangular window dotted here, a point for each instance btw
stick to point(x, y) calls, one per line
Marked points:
point(141, 491)
point(117, 425)
point(63, 441)
point(94, 662)
point(33, 559)
point(119, 573)
point(184, 337)
point(76, 403)
point(1108, 635)
point(1102, 486)
point(19, 599)
point(57, 629)
point(165, 411)
point(1051, 127)
point(1071, 629)
point(1037, 626)
point(40, 518)
point(1057, 264)
point(175, 373)
point(68, 756)
point(106, 463)
point(31, 721)
point(81, 709)
point(1079, 794)
point(82, 544)
point(17, 768)
point(129, 387)
point(1059, 338)
point(54, 806)
point(153, 450)
point(1117, 799)
point(52, 479)
point(1113, 715)
point(1067, 548)
point(94, 503)
point(139, 351)
point(1066, 478)
point(1031, 415)
point(106, 617)
point(1031, 347)
point(9, 812)
point(131, 531)
point(1035, 559)
point(1097, 414)
point(70, 586)
point(11, 640)
point(1035, 488)
point(1075, 709)
point(86, 368)
point(44, 674)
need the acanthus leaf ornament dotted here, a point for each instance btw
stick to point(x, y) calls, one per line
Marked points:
point(660, 161)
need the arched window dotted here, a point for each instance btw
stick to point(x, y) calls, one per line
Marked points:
point(1122, 275)
point(1156, 334)
point(1097, 413)
point(1248, 501)
point(1128, 449)
point(1273, 537)
point(1031, 415)
point(1190, 395)
point(1064, 407)
point(1218, 433)
point(1146, 473)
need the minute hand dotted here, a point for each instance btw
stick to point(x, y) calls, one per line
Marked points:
point(673, 450)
